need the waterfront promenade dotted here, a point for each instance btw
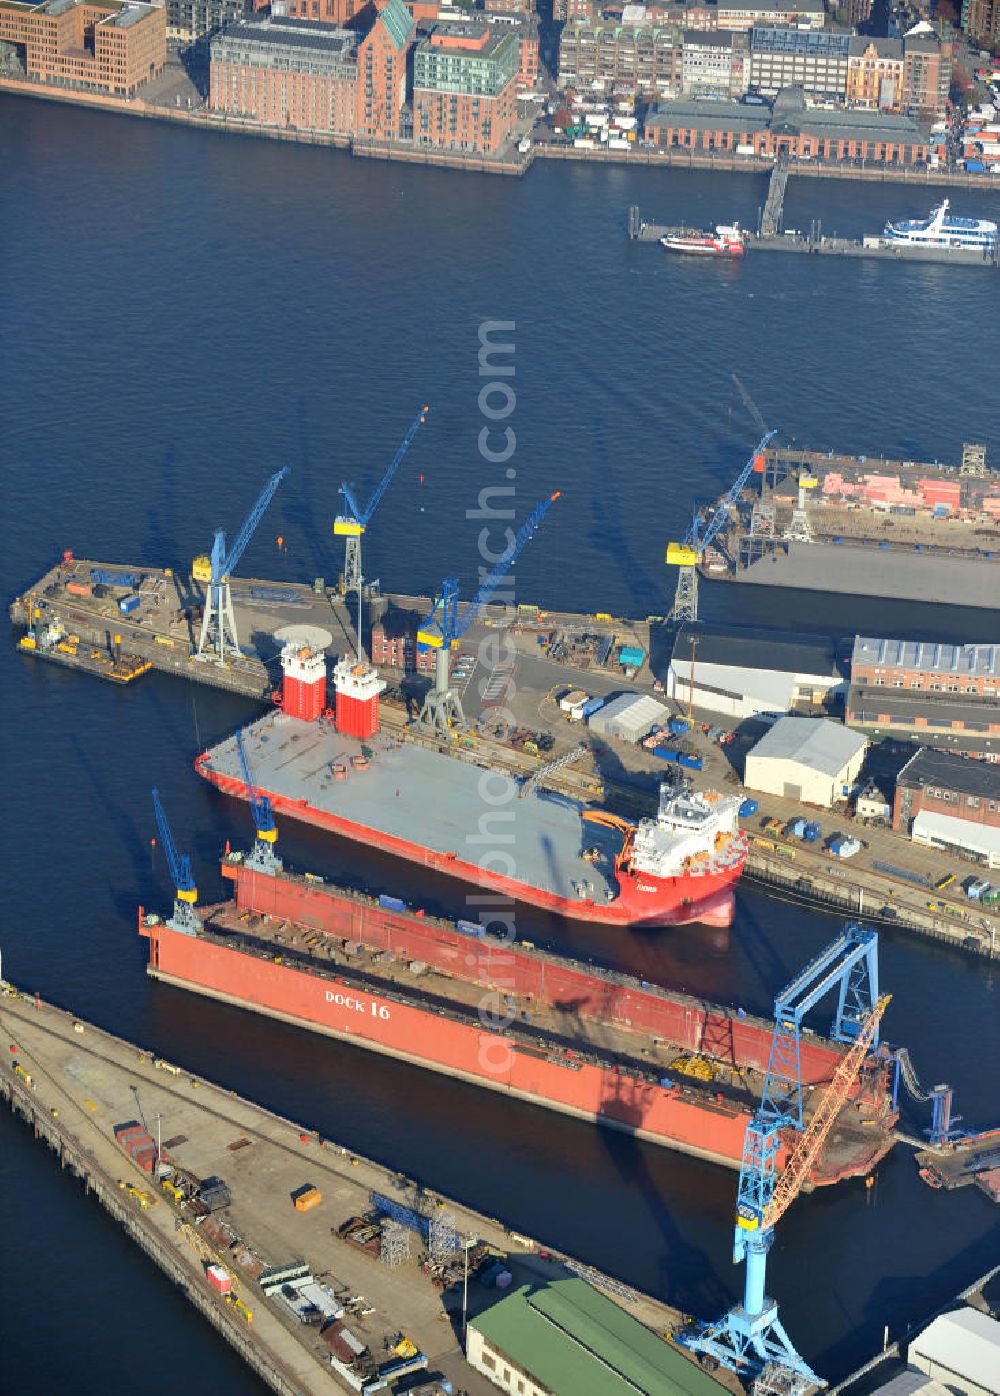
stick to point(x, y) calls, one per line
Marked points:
point(513, 164)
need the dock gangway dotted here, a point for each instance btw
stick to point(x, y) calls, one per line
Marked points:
point(774, 208)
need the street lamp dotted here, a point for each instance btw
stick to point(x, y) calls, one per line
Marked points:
point(467, 1243)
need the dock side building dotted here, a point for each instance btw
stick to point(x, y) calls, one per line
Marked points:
point(741, 672)
point(87, 45)
point(944, 695)
point(948, 801)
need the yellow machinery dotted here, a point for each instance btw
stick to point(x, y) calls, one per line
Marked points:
point(201, 568)
point(678, 555)
point(695, 1066)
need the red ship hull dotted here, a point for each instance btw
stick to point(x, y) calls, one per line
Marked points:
point(702, 897)
point(685, 1116)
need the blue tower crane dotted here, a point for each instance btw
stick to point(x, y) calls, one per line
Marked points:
point(218, 628)
point(750, 1338)
point(351, 525)
point(687, 555)
point(185, 918)
point(263, 858)
point(446, 624)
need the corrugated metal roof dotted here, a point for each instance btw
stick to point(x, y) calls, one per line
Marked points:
point(811, 741)
point(576, 1342)
point(636, 711)
point(928, 656)
point(965, 1342)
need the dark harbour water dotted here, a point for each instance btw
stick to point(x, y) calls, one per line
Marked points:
point(182, 313)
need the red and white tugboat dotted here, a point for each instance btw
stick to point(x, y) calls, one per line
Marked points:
point(726, 241)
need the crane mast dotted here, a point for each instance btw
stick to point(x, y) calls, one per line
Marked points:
point(352, 523)
point(218, 626)
point(446, 624)
point(750, 1338)
point(185, 917)
point(263, 858)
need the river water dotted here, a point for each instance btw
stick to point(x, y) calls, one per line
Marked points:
point(181, 314)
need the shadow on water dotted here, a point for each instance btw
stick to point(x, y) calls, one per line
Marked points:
point(608, 533)
point(162, 544)
point(683, 1270)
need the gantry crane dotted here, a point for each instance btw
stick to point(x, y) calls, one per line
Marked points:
point(218, 627)
point(687, 555)
point(351, 525)
point(446, 624)
point(750, 1339)
point(185, 918)
point(263, 857)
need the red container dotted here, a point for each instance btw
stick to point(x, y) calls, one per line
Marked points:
point(78, 588)
point(145, 1160)
point(138, 1144)
point(219, 1279)
point(129, 1135)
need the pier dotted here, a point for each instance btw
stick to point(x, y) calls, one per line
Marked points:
point(71, 1083)
point(815, 242)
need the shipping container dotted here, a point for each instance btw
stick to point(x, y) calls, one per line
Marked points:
point(307, 1198)
point(666, 753)
point(391, 903)
point(747, 808)
point(811, 833)
point(592, 705)
point(677, 725)
point(470, 928)
point(112, 579)
point(693, 763)
point(219, 1279)
point(617, 144)
point(129, 603)
point(78, 588)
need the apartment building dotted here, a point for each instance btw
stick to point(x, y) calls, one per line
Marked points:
point(813, 59)
point(465, 80)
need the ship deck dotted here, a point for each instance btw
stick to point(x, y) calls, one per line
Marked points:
point(854, 1145)
point(429, 799)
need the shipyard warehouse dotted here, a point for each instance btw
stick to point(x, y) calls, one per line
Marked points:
point(806, 759)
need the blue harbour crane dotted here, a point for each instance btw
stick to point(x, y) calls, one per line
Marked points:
point(447, 623)
point(750, 1338)
point(218, 627)
point(352, 523)
point(263, 858)
point(687, 555)
point(185, 918)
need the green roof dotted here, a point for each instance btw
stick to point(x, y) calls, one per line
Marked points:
point(396, 18)
point(577, 1342)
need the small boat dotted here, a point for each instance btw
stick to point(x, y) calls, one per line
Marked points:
point(726, 241)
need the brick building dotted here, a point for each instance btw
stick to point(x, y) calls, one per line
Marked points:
point(644, 60)
point(465, 80)
point(335, 12)
point(393, 645)
point(950, 802)
point(790, 129)
point(856, 12)
point(286, 72)
point(981, 21)
point(93, 45)
point(382, 61)
point(573, 10)
point(927, 69)
point(813, 59)
point(947, 695)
